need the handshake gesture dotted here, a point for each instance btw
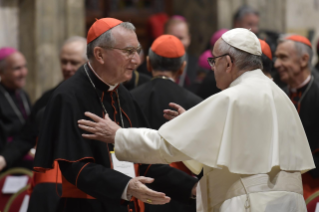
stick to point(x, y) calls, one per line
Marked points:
point(104, 129)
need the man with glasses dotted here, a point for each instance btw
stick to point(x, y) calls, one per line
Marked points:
point(248, 138)
point(92, 178)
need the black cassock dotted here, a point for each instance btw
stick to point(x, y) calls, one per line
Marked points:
point(306, 101)
point(153, 97)
point(85, 164)
point(136, 80)
point(27, 137)
point(208, 87)
point(15, 107)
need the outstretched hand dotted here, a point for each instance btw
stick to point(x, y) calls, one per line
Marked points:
point(102, 129)
point(138, 189)
point(170, 114)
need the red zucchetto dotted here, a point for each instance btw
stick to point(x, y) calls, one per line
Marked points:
point(100, 26)
point(265, 49)
point(299, 38)
point(168, 46)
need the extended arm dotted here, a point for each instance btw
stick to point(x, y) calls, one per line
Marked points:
point(136, 145)
point(141, 145)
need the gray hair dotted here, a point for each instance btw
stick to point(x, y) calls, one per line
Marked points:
point(243, 11)
point(301, 49)
point(106, 39)
point(241, 59)
point(160, 63)
point(75, 39)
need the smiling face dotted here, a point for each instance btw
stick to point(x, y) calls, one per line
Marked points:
point(118, 65)
point(15, 71)
point(287, 61)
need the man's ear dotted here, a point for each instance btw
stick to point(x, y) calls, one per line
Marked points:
point(229, 64)
point(304, 61)
point(98, 54)
point(181, 69)
point(148, 64)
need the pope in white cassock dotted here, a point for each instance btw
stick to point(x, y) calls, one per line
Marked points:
point(247, 139)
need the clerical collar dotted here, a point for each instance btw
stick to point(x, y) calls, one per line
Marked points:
point(163, 77)
point(293, 90)
point(110, 87)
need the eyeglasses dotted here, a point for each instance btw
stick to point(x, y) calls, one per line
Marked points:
point(211, 60)
point(128, 51)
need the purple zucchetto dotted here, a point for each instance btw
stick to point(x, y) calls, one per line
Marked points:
point(6, 51)
point(216, 36)
point(202, 61)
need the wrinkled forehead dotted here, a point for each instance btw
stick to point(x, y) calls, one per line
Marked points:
point(286, 46)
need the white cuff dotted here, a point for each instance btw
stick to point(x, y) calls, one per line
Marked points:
point(124, 194)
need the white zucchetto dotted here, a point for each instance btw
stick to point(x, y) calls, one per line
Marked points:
point(244, 40)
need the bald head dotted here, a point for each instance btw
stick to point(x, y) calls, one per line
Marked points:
point(13, 71)
point(72, 55)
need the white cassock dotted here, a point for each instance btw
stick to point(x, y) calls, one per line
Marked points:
point(248, 139)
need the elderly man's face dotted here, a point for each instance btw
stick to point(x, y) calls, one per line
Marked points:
point(287, 61)
point(223, 79)
point(119, 63)
point(15, 72)
point(181, 31)
point(71, 58)
point(249, 21)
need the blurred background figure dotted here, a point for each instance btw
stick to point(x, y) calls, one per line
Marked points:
point(317, 65)
point(293, 63)
point(72, 56)
point(15, 105)
point(178, 26)
point(266, 58)
point(248, 18)
point(208, 86)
